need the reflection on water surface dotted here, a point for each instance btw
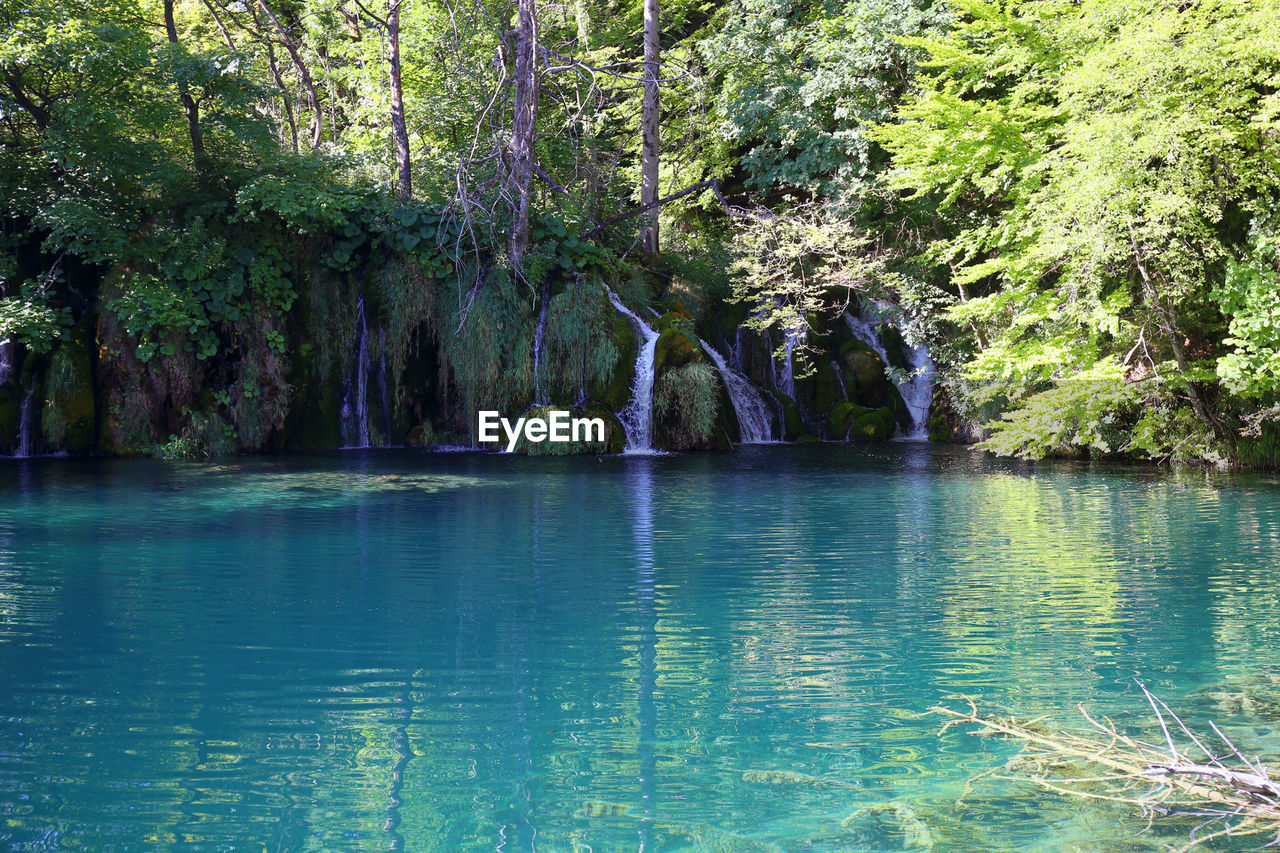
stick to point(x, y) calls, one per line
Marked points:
point(715, 652)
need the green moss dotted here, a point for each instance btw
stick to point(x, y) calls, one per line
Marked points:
point(68, 419)
point(615, 433)
point(864, 376)
point(675, 348)
point(897, 405)
point(826, 390)
point(421, 435)
point(894, 346)
point(729, 318)
point(792, 423)
point(877, 425)
point(840, 419)
point(10, 417)
point(617, 390)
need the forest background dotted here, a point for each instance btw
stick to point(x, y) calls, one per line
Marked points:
point(1072, 203)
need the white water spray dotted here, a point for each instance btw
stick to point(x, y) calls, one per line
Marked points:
point(637, 416)
point(354, 426)
point(916, 388)
point(754, 417)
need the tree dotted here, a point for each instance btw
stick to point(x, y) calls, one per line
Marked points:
point(649, 145)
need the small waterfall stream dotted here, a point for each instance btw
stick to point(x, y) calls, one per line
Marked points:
point(637, 417)
point(6, 361)
point(539, 344)
point(916, 388)
point(783, 375)
point(754, 417)
point(27, 426)
point(354, 427)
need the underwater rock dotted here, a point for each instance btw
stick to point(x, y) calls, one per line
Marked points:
point(893, 820)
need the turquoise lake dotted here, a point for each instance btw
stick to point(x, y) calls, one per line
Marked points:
point(379, 650)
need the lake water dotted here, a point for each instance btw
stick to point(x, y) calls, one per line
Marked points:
point(708, 652)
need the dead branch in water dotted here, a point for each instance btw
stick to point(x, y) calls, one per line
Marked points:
point(1231, 794)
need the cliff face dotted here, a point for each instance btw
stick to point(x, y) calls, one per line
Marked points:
point(350, 365)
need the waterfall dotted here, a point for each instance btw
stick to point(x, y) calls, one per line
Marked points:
point(839, 375)
point(26, 425)
point(637, 417)
point(539, 344)
point(916, 387)
point(754, 417)
point(917, 391)
point(354, 426)
point(383, 396)
point(6, 361)
point(783, 374)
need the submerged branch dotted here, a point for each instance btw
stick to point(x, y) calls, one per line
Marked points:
point(1164, 779)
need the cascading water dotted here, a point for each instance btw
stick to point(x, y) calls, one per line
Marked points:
point(354, 425)
point(637, 417)
point(6, 361)
point(917, 391)
point(27, 426)
point(539, 344)
point(916, 388)
point(783, 377)
point(754, 417)
point(839, 375)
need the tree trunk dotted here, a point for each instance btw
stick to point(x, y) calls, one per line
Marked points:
point(1167, 320)
point(184, 92)
point(649, 123)
point(525, 114)
point(582, 14)
point(317, 114)
point(397, 102)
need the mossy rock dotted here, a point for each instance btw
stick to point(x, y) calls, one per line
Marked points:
point(673, 320)
point(727, 416)
point(729, 317)
point(10, 418)
point(615, 434)
point(942, 419)
point(70, 388)
point(674, 307)
point(819, 335)
point(894, 346)
point(792, 423)
point(876, 425)
point(422, 435)
point(854, 345)
point(617, 391)
point(826, 388)
point(840, 419)
point(675, 348)
point(864, 377)
point(898, 406)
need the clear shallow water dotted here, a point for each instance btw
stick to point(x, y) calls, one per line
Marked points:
point(711, 652)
